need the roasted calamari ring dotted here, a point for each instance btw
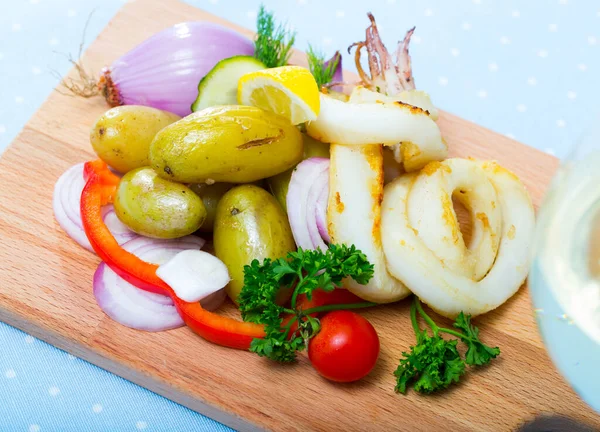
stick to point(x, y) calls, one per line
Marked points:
point(387, 123)
point(424, 247)
point(418, 98)
point(354, 215)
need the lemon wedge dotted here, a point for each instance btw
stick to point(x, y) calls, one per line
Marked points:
point(290, 91)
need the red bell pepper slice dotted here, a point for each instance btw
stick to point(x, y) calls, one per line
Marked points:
point(99, 190)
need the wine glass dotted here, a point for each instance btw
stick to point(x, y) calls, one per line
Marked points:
point(565, 275)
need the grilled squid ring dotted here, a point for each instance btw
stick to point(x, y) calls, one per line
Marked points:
point(387, 123)
point(354, 215)
point(424, 247)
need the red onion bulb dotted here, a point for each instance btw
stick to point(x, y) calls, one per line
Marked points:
point(164, 71)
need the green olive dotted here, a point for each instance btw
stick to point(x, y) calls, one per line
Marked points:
point(210, 195)
point(231, 143)
point(279, 184)
point(155, 207)
point(249, 225)
point(121, 137)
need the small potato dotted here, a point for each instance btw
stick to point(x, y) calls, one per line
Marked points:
point(230, 143)
point(210, 195)
point(155, 207)
point(121, 137)
point(249, 225)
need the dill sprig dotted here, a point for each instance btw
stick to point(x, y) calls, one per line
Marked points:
point(321, 70)
point(273, 42)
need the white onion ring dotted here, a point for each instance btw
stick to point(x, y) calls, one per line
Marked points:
point(380, 123)
point(308, 183)
point(66, 204)
point(354, 215)
point(138, 308)
point(424, 247)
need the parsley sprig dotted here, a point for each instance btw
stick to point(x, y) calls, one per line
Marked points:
point(434, 363)
point(303, 271)
point(273, 42)
point(321, 70)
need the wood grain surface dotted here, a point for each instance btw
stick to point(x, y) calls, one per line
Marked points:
point(45, 289)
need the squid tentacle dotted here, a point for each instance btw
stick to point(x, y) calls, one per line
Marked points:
point(386, 76)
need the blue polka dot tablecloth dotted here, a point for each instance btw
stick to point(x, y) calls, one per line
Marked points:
point(525, 69)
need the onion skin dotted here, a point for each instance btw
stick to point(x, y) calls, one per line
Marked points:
point(338, 74)
point(164, 71)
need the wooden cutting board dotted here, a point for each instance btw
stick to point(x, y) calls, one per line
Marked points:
point(45, 289)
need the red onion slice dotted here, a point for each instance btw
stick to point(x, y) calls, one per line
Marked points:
point(125, 303)
point(159, 251)
point(307, 185)
point(321, 182)
point(118, 229)
point(65, 202)
point(141, 309)
point(321, 213)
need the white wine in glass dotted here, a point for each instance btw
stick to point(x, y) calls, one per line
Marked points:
point(565, 276)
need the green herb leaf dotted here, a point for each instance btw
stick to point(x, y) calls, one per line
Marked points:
point(431, 365)
point(277, 347)
point(316, 63)
point(257, 303)
point(304, 271)
point(477, 353)
point(434, 363)
point(273, 42)
point(348, 262)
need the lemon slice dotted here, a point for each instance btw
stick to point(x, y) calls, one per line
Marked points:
point(290, 91)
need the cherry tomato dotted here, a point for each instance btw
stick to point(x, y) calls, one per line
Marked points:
point(321, 298)
point(346, 348)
